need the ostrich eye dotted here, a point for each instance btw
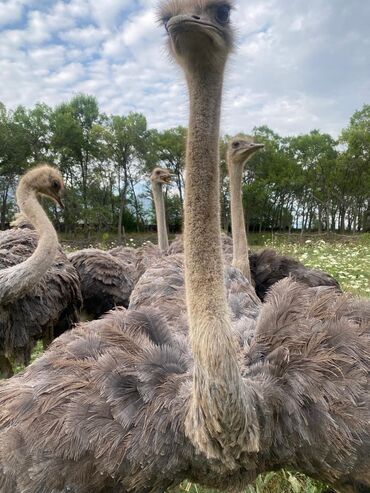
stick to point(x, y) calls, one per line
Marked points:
point(165, 20)
point(223, 14)
point(235, 145)
point(55, 184)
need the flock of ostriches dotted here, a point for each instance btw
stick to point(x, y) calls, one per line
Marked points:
point(201, 360)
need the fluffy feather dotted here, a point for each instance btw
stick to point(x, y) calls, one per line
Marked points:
point(54, 302)
point(103, 409)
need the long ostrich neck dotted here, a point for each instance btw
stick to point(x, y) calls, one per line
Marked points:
point(202, 241)
point(240, 242)
point(160, 213)
point(16, 281)
point(216, 418)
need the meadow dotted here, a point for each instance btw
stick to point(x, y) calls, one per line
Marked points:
point(347, 258)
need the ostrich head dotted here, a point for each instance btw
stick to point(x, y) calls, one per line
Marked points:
point(161, 176)
point(241, 148)
point(208, 22)
point(46, 180)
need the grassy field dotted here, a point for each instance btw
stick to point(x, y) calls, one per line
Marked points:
point(347, 258)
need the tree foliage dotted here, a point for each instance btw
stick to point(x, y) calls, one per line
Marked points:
point(305, 182)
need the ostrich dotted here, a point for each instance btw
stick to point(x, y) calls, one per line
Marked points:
point(108, 278)
point(162, 273)
point(160, 177)
point(266, 267)
point(120, 404)
point(39, 288)
point(149, 253)
point(238, 152)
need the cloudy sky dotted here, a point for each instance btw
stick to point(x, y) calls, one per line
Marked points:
point(299, 65)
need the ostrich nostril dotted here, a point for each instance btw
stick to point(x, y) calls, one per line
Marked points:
point(196, 17)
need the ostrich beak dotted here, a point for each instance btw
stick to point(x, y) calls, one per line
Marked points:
point(59, 200)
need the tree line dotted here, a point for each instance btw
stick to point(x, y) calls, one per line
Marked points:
point(307, 182)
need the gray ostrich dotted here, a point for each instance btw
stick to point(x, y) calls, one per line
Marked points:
point(39, 288)
point(120, 404)
point(266, 267)
point(108, 277)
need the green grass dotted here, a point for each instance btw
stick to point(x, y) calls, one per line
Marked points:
point(347, 258)
point(282, 482)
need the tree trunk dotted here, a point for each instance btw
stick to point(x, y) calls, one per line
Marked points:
point(136, 206)
point(121, 233)
point(4, 207)
point(121, 229)
point(319, 220)
point(342, 220)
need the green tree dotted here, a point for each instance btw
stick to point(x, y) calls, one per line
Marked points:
point(14, 155)
point(354, 173)
point(316, 155)
point(35, 123)
point(127, 145)
point(77, 140)
point(168, 150)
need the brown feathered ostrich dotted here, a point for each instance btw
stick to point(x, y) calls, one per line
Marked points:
point(39, 288)
point(160, 177)
point(108, 277)
point(120, 405)
point(149, 253)
point(106, 280)
point(239, 150)
point(266, 267)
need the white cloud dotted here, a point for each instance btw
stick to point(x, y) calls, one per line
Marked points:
point(296, 67)
point(85, 36)
point(106, 13)
point(11, 11)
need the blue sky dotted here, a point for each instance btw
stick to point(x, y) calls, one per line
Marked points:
point(298, 65)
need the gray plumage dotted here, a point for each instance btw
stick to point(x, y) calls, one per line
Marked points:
point(106, 279)
point(162, 286)
point(268, 267)
point(113, 406)
point(103, 409)
point(52, 304)
point(126, 254)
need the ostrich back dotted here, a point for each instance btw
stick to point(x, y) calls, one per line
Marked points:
point(162, 285)
point(106, 280)
point(268, 267)
point(103, 410)
point(126, 254)
point(54, 301)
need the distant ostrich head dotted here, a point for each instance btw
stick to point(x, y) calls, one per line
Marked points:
point(45, 180)
point(241, 148)
point(208, 21)
point(161, 176)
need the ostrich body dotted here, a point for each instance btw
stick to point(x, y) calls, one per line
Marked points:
point(106, 280)
point(39, 289)
point(121, 404)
